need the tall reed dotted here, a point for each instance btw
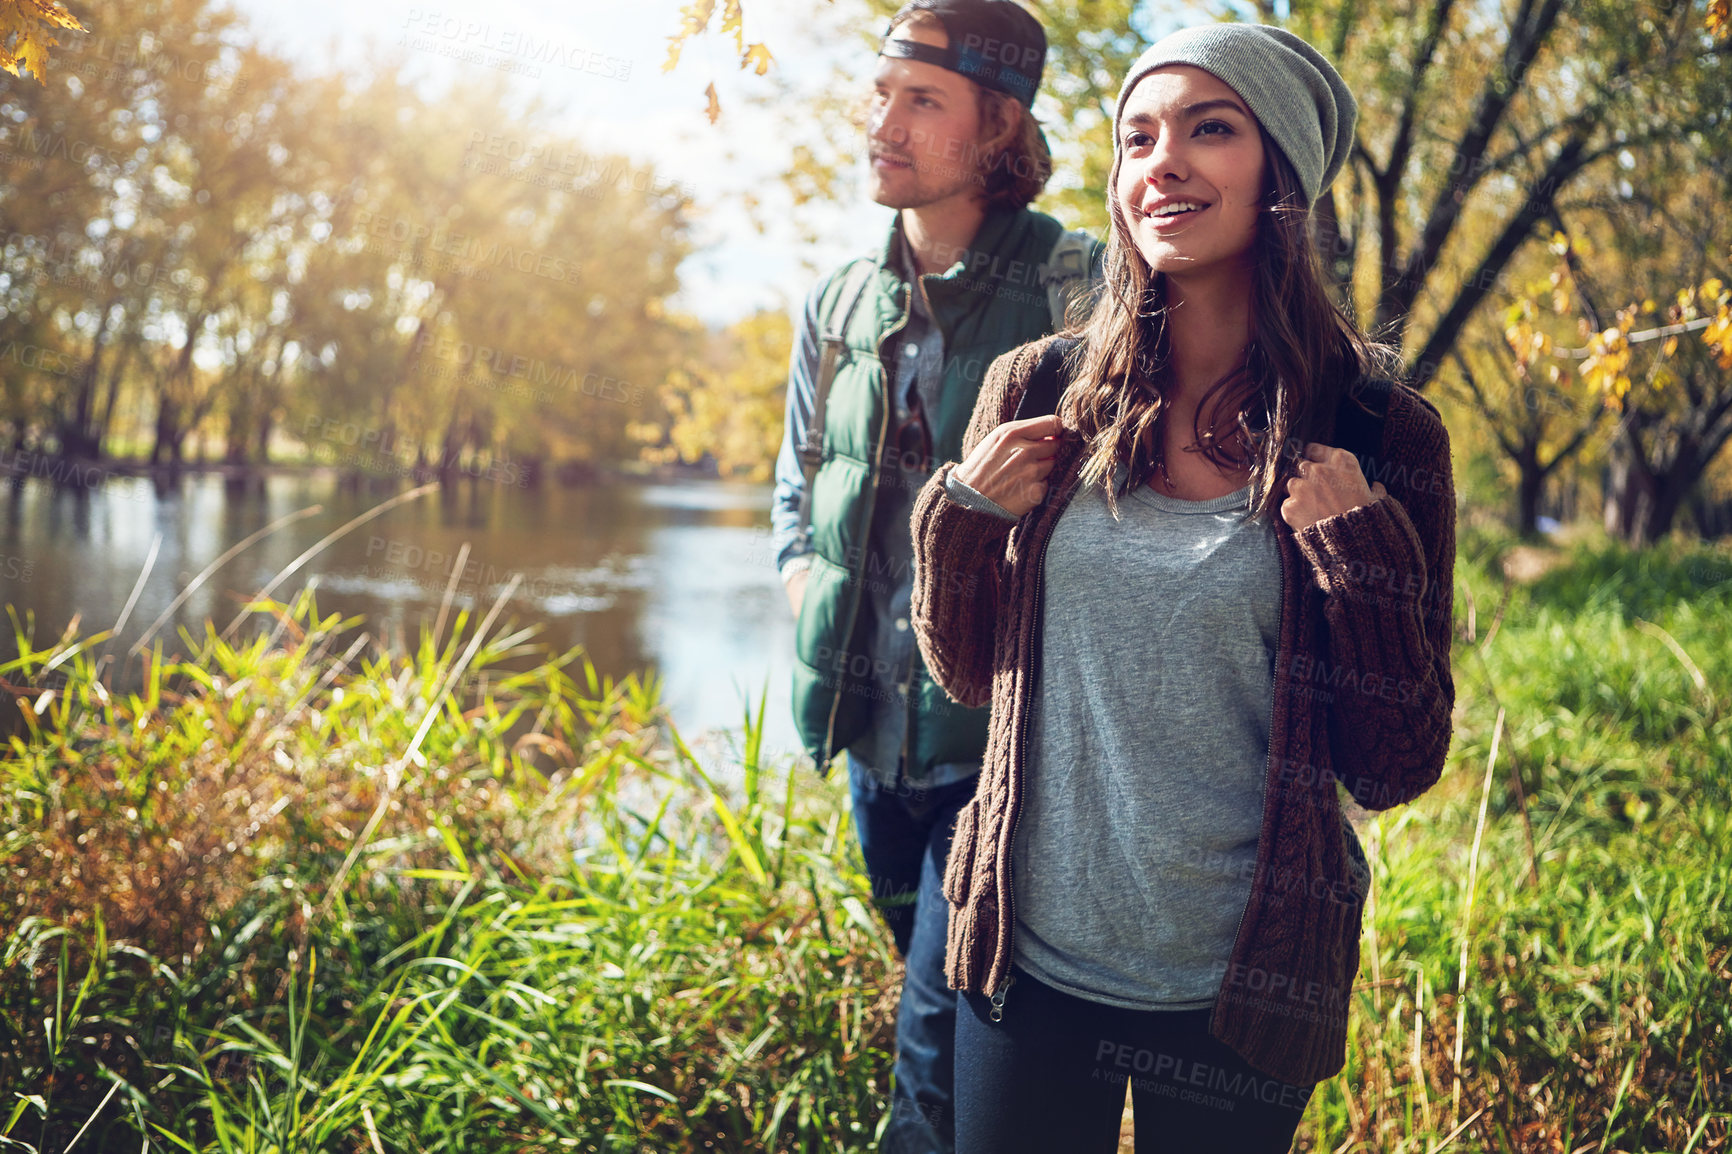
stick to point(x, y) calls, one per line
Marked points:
point(313, 895)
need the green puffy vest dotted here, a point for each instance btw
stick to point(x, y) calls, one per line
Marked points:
point(988, 302)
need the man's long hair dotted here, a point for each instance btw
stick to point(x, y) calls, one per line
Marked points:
point(1017, 171)
point(1304, 351)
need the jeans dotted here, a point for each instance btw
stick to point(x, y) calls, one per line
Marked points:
point(904, 837)
point(1049, 1077)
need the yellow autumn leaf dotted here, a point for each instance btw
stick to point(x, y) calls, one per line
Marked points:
point(758, 58)
point(1718, 336)
point(714, 109)
point(55, 13)
point(733, 21)
point(32, 48)
point(27, 28)
point(1711, 288)
point(694, 18)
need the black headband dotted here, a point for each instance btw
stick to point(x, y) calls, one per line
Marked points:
point(970, 62)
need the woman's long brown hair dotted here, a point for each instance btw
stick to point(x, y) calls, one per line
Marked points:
point(1304, 351)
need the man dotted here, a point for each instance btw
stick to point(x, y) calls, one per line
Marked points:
point(966, 274)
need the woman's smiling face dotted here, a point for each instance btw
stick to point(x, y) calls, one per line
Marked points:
point(1191, 171)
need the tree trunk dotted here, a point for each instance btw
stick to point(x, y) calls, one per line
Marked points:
point(1674, 489)
point(115, 372)
point(235, 438)
point(450, 451)
point(77, 432)
point(168, 433)
point(170, 426)
point(1644, 493)
point(1530, 484)
point(1336, 250)
point(1629, 493)
point(1713, 518)
point(262, 430)
point(457, 431)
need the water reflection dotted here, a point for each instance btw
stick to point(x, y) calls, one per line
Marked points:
point(676, 578)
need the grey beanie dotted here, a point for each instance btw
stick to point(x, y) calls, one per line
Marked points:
point(1293, 91)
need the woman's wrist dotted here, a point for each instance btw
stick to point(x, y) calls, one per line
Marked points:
point(969, 497)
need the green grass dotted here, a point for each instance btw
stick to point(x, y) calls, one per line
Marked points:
point(1596, 1012)
point(239, 918)
point(304, 894)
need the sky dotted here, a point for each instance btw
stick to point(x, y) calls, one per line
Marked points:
point(622, 101)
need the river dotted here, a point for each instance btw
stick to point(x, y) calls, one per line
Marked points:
point(675, 577)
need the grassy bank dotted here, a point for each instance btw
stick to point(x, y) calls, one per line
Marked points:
point(1594, 1011)
point(306, 895)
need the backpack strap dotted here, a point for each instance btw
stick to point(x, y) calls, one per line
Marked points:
point(1359, 417)
point(833, 338)
point(1066, 272)
point(1048, 381)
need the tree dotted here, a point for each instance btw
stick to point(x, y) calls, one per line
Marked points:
point(1666, 238)
point(105, 215)
point(1540, 410)
point(231, 217)
point(490, 289)
point(200, 232)
point(1447, 191)
point(696, 17)
point(1477, 125)
point(727, 402)
point(1677, 407)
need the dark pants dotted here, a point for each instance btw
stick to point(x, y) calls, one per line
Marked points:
point(905, 839)
point(1050, 1077)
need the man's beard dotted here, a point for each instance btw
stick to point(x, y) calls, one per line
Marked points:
point(921, 195)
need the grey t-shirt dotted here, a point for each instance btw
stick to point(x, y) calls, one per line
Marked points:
point(1147, 747)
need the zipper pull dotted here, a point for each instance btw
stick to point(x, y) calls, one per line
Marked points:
point(997, 1014)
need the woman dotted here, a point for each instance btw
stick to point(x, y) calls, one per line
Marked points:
point(1192, 615)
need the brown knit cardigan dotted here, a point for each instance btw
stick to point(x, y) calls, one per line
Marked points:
point(1363, 696)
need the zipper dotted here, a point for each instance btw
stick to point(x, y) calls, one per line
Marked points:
point(1268, 760)
point(909, 711)
point(997, 1013)
point(914, 658)
point(1022, 747)
point(919, 285)
point(866, 532)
